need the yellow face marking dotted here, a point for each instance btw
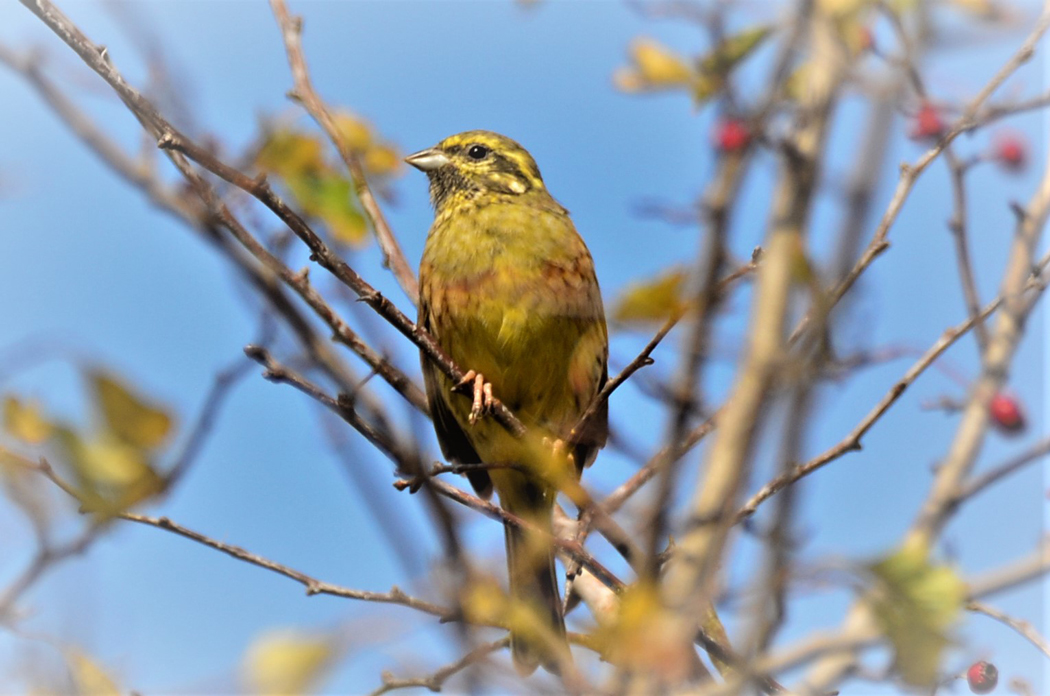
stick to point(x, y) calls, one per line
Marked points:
point(482, 161)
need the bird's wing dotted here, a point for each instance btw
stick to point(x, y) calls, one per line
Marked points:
point(453, 441)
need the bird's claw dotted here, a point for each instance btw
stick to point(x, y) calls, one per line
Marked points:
point(482, 392)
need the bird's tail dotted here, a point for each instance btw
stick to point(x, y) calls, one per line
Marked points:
point(537, 627)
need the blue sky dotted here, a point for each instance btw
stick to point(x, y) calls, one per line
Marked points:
point(88, 265)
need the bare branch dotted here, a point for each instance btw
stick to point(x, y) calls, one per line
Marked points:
point(304, 93)
point(435, 681)
point(910, 172)
point(1025, 628)
point(312, 585)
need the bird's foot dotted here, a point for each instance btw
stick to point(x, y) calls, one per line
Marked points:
point(474, 382)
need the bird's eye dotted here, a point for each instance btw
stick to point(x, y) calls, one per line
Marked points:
point(477, 152)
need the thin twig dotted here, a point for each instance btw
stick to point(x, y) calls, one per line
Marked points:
point(1026, 629)
point(45, 558)
point(644, 358)
point(304, 93)
point(852, 441)
point(910, 172)
point(312, 585)
point(220, 389)
point(569, 546)
point(981, 481)
point(435, 681)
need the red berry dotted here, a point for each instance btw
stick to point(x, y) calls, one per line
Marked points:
point(732, 135)
point(982, 677)
point(1011, 151)
point(928, 124)
point(1006, 414)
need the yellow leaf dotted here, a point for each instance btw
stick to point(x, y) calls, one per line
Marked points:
point(88, 678)
point(25, 421)
point(128, 416)
point(485, 602)
point(112, 475)
point(107, 461)
point(652, 300)
point(659, 65)
point(916, 604)
point(355, 131)
point(654, 67)
point(288, 153)
point(382, 160)
point(285, 661)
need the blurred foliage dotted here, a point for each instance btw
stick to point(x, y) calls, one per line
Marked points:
point(286, 661)
point(638, 637)
point(653, 300)
point(26, 489)
point(112, 462)
point(319, 186)
point(916, 602)
point(654, 67)
point(88, 678)
point(133, 420)
point(25, 421)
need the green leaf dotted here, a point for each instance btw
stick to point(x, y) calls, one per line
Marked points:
point(732, 50)
point(916, 603)
point(329, 197)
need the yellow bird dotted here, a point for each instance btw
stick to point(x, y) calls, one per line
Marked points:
point(508, 290)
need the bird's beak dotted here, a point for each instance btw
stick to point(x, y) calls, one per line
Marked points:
point(428, 160)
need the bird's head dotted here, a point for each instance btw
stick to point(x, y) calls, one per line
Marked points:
point(475, 163)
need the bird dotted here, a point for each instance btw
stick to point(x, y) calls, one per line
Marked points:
point(508, 291)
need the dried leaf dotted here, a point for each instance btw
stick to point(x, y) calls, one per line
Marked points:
point(652, 300)
point(284, 661)
point(25, 421)
point(128, 416)
point(916, 604)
